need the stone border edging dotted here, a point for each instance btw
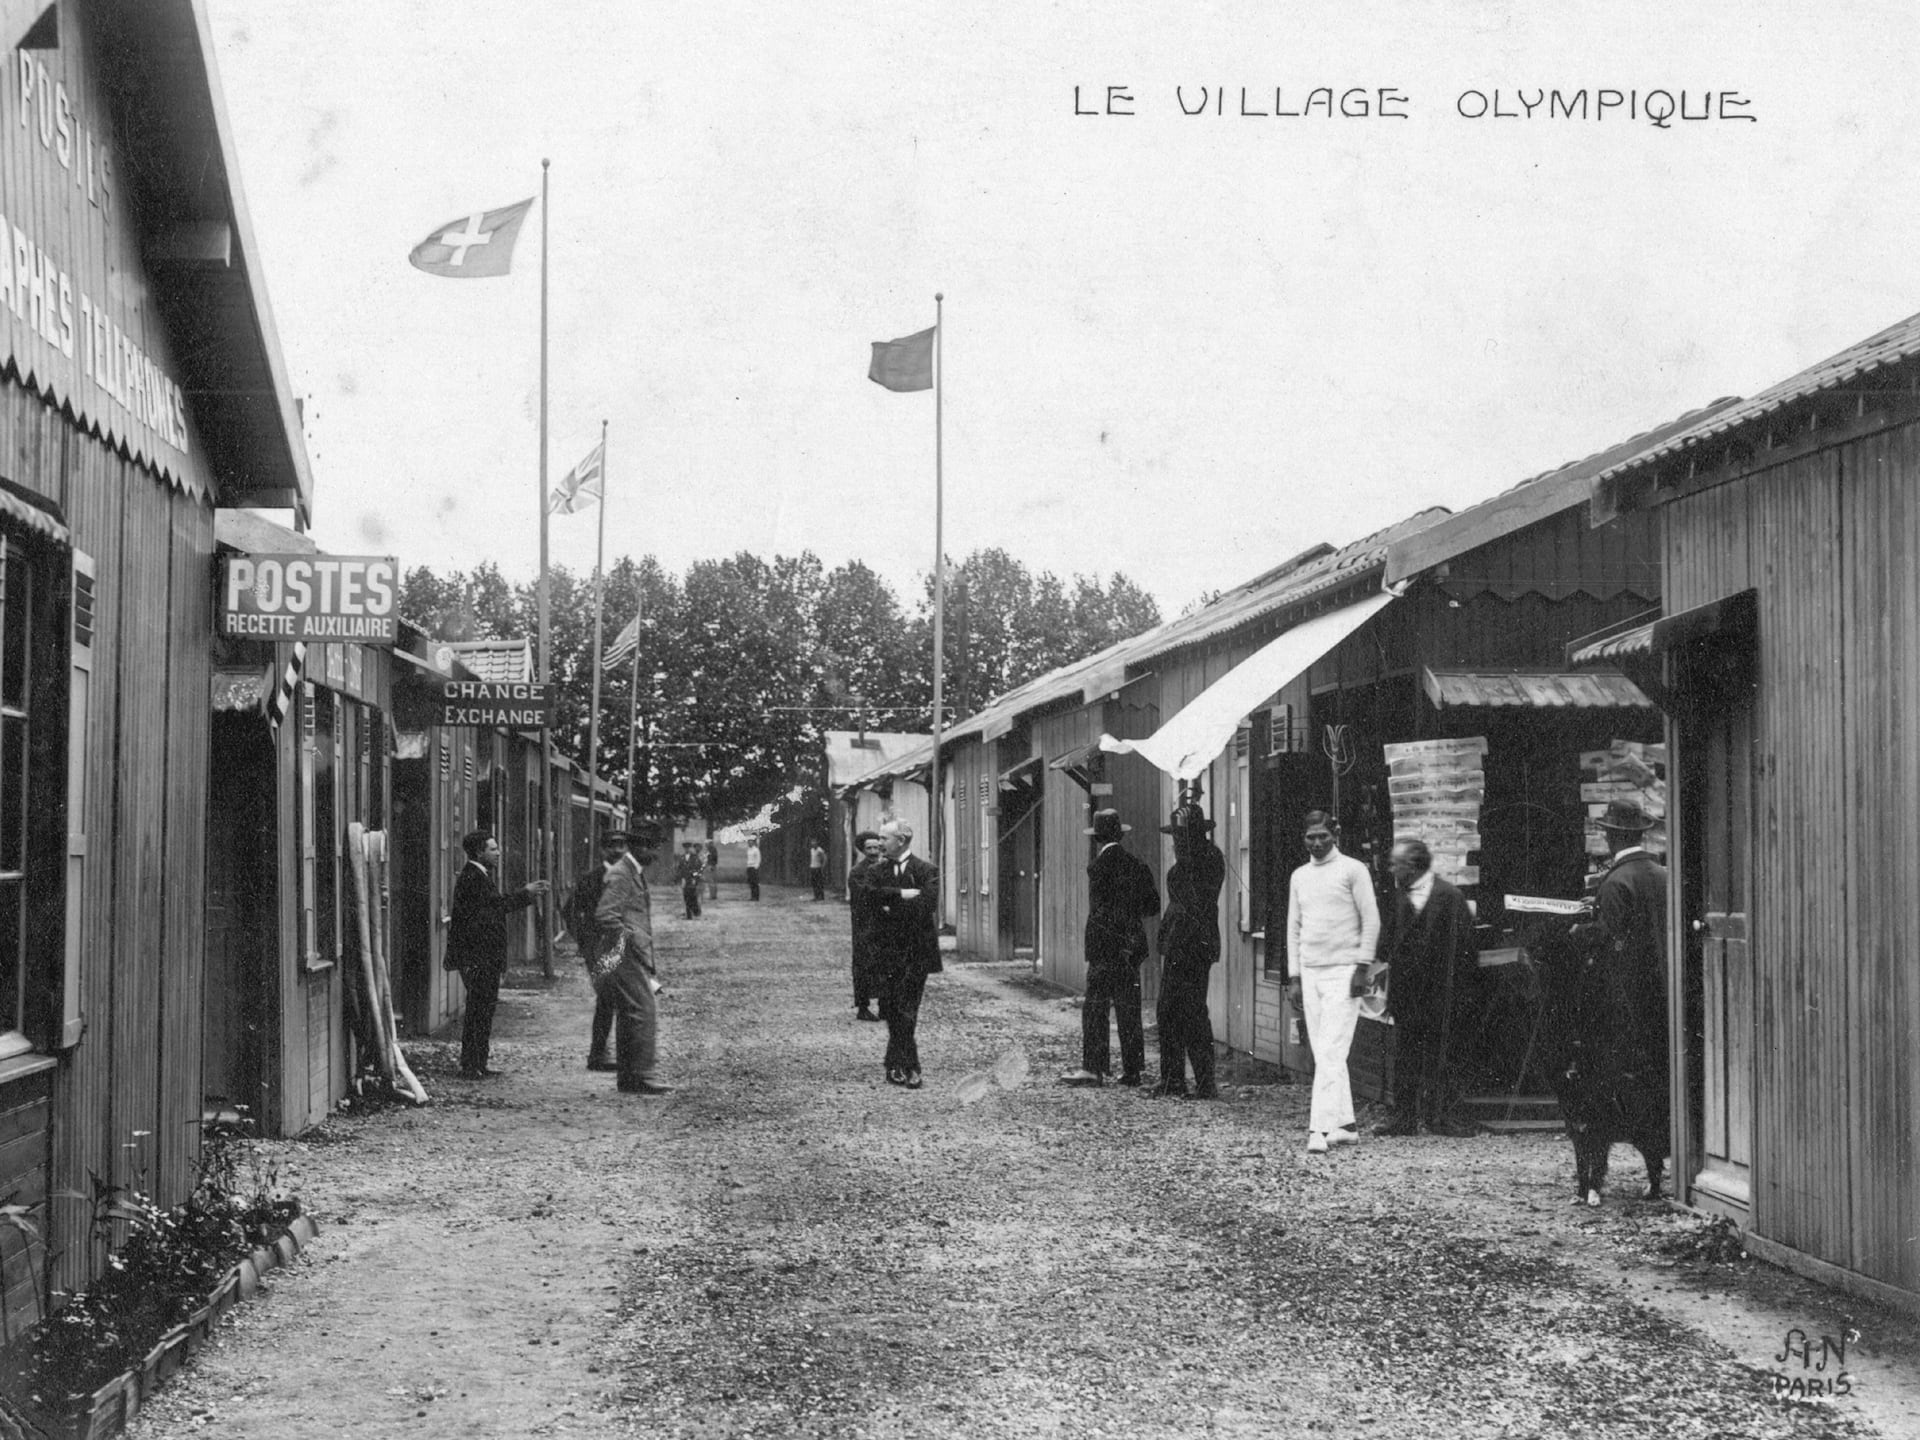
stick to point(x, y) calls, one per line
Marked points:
point(106, 1412)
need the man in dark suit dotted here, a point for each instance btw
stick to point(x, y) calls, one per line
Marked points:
point(687, 871)
point(1121, 896)
point(867, 973)
point(625, 920)
point(477, 944)
point(581, 905)
point(1189, 941)
point(1427, 943)
point(906, 940)
point(1630, 909)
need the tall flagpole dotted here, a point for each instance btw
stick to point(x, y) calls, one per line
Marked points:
point(545, 831)
point(633, 694)
point(599, 615)
point(935, 811)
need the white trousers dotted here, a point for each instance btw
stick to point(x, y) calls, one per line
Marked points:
point(1331, 1014)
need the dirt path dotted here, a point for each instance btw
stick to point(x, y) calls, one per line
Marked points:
point(788, 1246)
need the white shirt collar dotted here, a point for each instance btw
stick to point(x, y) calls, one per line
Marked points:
point(1620, 855)
point(1420, 890)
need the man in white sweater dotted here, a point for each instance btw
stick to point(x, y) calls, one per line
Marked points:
point(1333, 924)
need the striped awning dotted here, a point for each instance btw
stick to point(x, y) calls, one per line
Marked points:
point(1535, 689)
point(26, 513)
point(241, 690)
point(1636, 643)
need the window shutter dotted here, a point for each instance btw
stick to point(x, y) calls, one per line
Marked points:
point(309, 849)
point(79, 702)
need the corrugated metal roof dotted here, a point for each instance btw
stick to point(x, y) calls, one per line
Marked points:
point(847, 760)
point(1637, 641)
point(1536, 689)
point(496, 661)
point(1892, 345)
point(1267, 595)
point(1531, 500)
point(1312, 572)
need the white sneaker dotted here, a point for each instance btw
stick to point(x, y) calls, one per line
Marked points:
point(1316, 1143)
point(1342, 1137)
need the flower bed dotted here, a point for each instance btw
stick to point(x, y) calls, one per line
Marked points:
point(168, 1277)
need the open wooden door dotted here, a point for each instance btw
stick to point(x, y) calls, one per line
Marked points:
point(1717, 737)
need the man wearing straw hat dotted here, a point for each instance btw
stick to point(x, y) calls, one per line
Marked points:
point(1121, 896)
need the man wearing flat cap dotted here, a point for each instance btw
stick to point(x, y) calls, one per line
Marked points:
point(624, 918)
point(1189, 941)
point(1121, 897)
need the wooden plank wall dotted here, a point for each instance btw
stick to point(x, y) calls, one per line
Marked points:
point(187, 685)
point(1063, 849)
point(1880, 504)
point(1780, 532)
point(975, 850)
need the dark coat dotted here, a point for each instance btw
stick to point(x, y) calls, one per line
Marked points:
point(1121, 894)
point(1631, 906)
point(861, 906)
point(906, 932)
point(1431, 954)
point(578, 911)
point(477, 931)
point(1605, 1062)
point(1189, 937)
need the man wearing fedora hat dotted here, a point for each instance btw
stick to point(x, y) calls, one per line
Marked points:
point(1189, 941)
point(624, 918)
point(1630, 908)
point(581, 924)
point(1121, 896)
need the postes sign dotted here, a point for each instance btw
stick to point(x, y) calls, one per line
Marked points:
point(511, 704)
point(311, 597)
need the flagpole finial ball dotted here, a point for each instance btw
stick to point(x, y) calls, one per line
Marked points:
point(938, 297)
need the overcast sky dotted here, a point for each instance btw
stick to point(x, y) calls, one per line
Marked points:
point(1179, 345)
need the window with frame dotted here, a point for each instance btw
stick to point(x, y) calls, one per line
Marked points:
point(39, 1008)
point(16, 792)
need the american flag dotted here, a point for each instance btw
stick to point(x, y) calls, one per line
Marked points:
point(624, 644)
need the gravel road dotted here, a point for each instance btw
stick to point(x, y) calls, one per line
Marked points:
point(787, 1246)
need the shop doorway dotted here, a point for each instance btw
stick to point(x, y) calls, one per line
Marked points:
point(1716, 753)
point(1020, 863)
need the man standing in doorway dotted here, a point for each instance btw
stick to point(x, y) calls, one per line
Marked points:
point(817, 869)
point(1121, 897)
point(1333, 925)
point(1427, 941)
point(625, 920)
point(753, 869)
point(477, 944)
point(1189, 941)
point(906, 936)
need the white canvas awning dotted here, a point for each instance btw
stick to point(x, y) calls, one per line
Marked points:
point(1188, 743)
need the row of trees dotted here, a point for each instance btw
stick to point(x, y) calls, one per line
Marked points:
point(744, 663)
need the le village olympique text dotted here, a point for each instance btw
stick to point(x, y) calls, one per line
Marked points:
point(1661, 108)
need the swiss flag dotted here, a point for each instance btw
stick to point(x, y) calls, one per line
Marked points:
point(474, 246)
